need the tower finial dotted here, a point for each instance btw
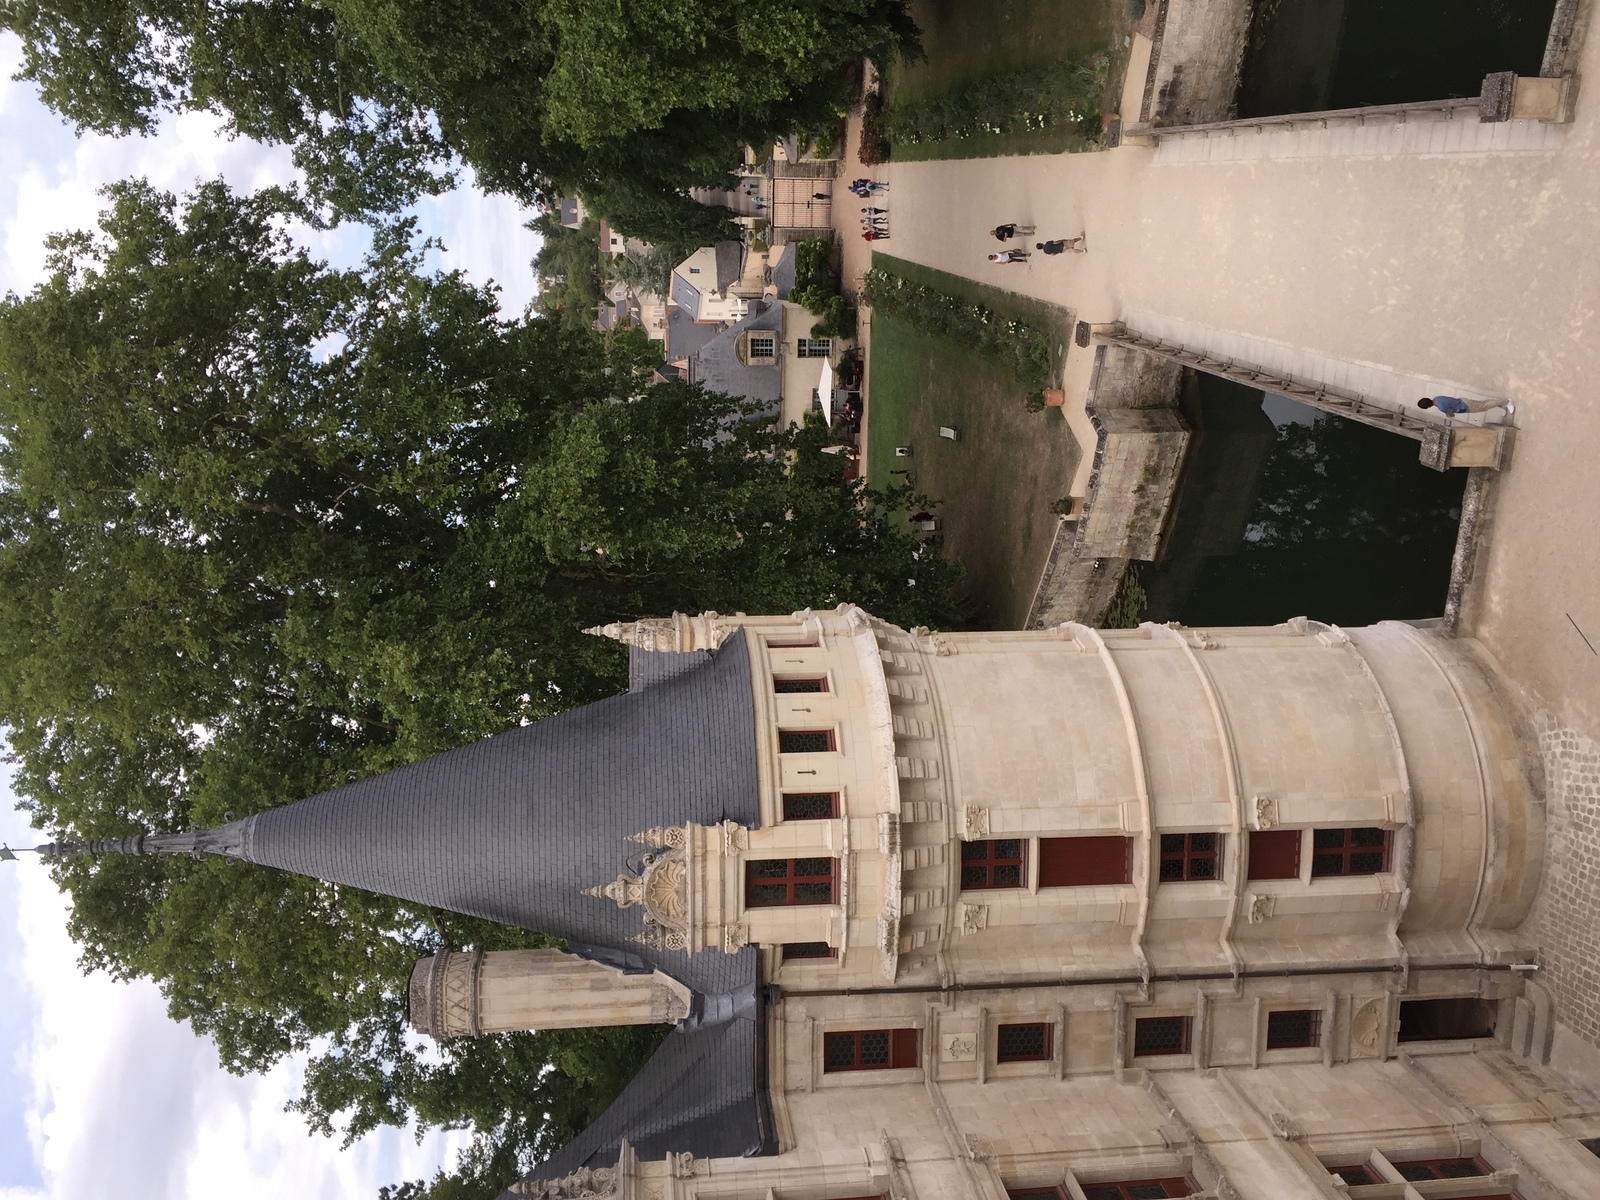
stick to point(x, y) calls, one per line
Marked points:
point(230, 841)
point(651, 633)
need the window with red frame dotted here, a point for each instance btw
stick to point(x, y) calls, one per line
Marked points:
point(1138, 1189)
point(1085, 861)
point(805, 741)
point(1000, 863)
point(775, 882)
point(793, 684)
point(1361, 851)
point(871, 1050)
point(1161, 1035)
point(1186, 856)
point(1024, 1043)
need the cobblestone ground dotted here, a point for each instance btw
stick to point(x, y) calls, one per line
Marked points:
point(1566, 917)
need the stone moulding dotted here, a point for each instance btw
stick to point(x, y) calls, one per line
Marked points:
point(662, 890)
point(444, 1001)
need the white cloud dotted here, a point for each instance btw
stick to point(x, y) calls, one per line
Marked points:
point(52, 182)
point(118, 1099)
point(121, 1100)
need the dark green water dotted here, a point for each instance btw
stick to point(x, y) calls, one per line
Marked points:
point(1283, 512)
point(1307, 55)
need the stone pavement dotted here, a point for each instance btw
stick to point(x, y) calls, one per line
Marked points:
point(1480, 267)
point(1477, 262)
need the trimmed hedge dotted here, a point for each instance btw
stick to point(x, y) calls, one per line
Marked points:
point(1022, 348)
point(1012, 102)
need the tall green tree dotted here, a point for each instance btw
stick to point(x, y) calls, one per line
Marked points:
point(630, 104)
point(267, 527)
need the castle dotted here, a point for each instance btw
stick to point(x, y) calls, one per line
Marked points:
point(1070, 913)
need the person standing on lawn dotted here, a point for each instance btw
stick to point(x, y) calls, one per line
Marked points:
point(1063, 246)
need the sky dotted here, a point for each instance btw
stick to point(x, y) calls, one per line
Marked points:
point(100, 1092)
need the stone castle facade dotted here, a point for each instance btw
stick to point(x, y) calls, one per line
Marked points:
point(1098, 915)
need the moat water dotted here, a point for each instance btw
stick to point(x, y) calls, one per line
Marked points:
point(1284, 512)
point(1308, 55)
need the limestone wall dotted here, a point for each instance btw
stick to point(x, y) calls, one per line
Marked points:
point(1198, 53)
point(1236, 1118)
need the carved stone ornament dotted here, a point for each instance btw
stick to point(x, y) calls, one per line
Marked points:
point(586, 1183)
point(1365, 1024)
point(673, 836)
point(1260, 908)
point(974, 917)
point(662, 890)
point(735, 838)
point(666, 1005)
point(681, 1165)
point(735, 938)
point(960, 1049)
point(977, 823)
point(1266, 812)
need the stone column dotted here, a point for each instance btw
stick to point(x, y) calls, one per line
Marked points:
point(463, 993)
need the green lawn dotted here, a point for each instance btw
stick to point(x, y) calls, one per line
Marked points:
point(995, 486)
point(964, 40)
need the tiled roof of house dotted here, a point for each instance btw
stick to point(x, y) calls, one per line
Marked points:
point(718, 366)
point(685, 295)
point(783, 275)
point(685, 335)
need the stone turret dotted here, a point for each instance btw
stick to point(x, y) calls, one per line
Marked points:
point(460, 993)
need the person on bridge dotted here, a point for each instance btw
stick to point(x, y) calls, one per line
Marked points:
point(1009, 256)
point(1004, 233)
point(1492, 411)
point(1063, 246)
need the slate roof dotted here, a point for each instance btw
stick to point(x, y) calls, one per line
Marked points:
point(783, 272)
point(730, 264)
point(718, 366)
point(685, 335)
point(703, 1091)
point(515, 827)
point(685, 295)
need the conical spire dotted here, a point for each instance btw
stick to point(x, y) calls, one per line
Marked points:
point(518, 827)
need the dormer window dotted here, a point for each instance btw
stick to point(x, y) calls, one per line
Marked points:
point(758, 347)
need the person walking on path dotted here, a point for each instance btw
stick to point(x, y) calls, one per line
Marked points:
point(1009, 256)
point(873, 211)
point(1063, 246)
point(1004, 233)
point(875, 235)
point(1488, 412)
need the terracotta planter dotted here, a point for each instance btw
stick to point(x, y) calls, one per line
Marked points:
point(1054, 397)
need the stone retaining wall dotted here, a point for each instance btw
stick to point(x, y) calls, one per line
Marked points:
point(1139, 451)
point(1199, 47)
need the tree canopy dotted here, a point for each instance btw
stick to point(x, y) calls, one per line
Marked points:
point(268, 526)
point(629, 104)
